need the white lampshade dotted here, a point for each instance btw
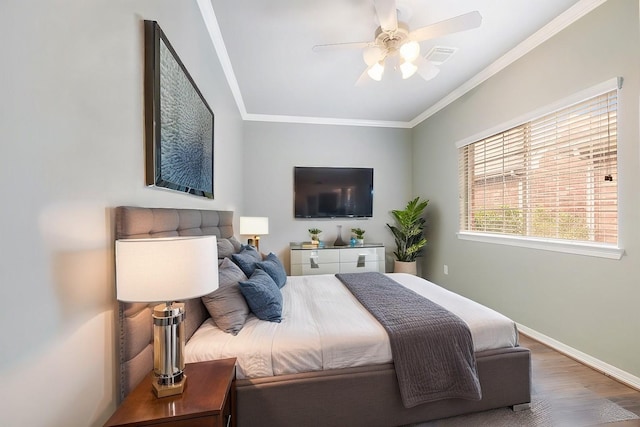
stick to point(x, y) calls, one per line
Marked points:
point(166, 269)
point(254, 225)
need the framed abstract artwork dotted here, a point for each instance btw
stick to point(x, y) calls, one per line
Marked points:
point(178, 121)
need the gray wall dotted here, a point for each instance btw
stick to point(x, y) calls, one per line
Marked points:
point(587, 303)
point(71, 126)
point(273, 149)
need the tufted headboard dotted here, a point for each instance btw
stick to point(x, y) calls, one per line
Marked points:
point(135, 327)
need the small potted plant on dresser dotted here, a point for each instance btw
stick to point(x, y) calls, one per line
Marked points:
point(359, 233)
point(315, 232)
point(408, 233)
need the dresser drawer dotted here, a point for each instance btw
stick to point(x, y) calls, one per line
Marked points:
point(353, 255)
point(319, 256)
point(312, 269)
point(355, 267)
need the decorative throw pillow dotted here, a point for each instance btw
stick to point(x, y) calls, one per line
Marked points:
point(274, 268)
point(263, 296)
point(226, 305)
point(237, 246)
point(246, 259)
point(229, 273)
point(225, 248)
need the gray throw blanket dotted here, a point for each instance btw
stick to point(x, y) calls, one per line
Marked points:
point(432, 348)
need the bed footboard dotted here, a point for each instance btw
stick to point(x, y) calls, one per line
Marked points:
point(369, 396)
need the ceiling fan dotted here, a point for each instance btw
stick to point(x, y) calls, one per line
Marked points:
point(395, 43)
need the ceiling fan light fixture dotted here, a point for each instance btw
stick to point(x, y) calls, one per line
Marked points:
point(408, 69)
point(376, 71)
point(410, 50)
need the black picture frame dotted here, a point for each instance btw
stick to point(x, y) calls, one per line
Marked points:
point(179, 124)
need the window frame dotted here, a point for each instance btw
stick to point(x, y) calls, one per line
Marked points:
point(603, 250)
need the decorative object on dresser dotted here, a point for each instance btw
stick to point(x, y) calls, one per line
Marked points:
point(178, 121)
point(254, 226)
point(408, 233)
point(344, 259)
point(166, 269)
point(359, 233)
point(339, 241)
point(315, 232)
point(209, 400)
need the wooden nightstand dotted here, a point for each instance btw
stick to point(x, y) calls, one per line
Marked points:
point(208, 400)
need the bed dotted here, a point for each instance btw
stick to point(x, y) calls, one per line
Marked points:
point(310, 386)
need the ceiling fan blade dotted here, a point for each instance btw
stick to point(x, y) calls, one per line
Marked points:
point(426, 69)
point(387, 14)
point(453, 25)
point(336, 46)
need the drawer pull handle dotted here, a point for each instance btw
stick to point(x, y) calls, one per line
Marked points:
point(312, 261)
point(361, 259)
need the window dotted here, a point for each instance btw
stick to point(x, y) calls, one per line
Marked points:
point(552, 177)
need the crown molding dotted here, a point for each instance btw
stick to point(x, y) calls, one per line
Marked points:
point(326, 121)
point(558, 24)
point(211, 22)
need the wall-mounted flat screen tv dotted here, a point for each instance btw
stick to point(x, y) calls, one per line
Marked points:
point(326, 192)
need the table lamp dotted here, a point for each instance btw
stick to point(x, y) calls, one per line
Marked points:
point(166, 269)
point(254, 226)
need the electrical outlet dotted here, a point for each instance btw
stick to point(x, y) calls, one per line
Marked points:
point(446, 269)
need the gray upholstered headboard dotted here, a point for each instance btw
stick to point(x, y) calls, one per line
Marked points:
point(135, 352)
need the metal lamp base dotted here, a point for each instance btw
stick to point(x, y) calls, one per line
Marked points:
point(168, 349)
point(165, 390)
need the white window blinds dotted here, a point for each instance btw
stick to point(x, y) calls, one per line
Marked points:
point(552, 177)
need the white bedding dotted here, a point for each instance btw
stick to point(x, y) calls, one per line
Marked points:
point(325, 327)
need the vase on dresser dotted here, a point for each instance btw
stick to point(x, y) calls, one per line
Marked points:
point(339, 241)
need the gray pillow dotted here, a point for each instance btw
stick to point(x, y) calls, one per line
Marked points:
point(263, 296)
point(225, 248)
point(274, 268)
point(226, 305)
point(236, 244)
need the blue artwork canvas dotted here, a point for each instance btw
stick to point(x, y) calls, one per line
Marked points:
point(182, 128)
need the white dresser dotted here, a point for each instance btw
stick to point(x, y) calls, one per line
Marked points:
point(336, 259)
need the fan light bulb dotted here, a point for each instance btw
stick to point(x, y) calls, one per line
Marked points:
point(376, 71)
point(410, 50)
point(408, 69)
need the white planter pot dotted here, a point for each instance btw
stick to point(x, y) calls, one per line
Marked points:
point(405, 267)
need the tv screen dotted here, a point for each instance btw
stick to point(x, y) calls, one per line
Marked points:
point(324, 192)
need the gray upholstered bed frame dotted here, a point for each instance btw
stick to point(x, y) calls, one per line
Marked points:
point(365, 396)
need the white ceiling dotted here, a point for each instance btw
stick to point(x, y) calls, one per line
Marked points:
point(266, 50)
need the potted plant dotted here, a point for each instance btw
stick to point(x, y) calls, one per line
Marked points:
point(359, 233)
point(314, 234)
point(408, 233)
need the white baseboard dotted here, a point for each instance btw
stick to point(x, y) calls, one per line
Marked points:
point(600, 366)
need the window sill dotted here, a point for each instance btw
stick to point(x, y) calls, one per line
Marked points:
point(578, 248)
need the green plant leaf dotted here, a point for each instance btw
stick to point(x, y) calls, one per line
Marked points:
point(408, 231)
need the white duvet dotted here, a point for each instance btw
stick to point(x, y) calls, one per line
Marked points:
point(325, 327)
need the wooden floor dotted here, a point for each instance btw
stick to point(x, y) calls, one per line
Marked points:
point(563, 380)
